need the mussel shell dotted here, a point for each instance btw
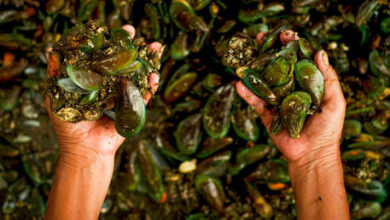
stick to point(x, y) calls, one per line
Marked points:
point(153, 28)
point(385, 25)
point(374, 190)
point(293, 111)
point(364, 209)
point(93, 43)
point(85, 9)
point(188, 134)
point(212, 81)
point(89, 98)
point(374, 85)
point(84, 78)
point(278, 72)
point(212, 145)
point(352, 128)
point(252, 14)
point(377, 64)
point(180, 48)
point(244, 121)
point(122, 38)
point(150, 171)
point(130, 110)
point(125, 8)
point(171, 153)
point(179, 87)
point(377, 125)
point(274, 170)
point(272, 37)
point(9, 98)
point(37, 205)
point(116, 63)
point(9, 204)
point(366, 10)
point(258, 86)
point(251, 155)
point(306, 48)
point(211, 189)
point(285, 89)
point(185, 18)
point(216, 112)
point(133, 171)
point(216, 165)
point(68, 85)
point(289, 54)
point(310, 79)
point(262, 60)
point(33, 169)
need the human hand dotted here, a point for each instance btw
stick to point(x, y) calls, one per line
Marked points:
point(88, 139)
point(320, 137)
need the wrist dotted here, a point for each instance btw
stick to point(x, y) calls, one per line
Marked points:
point(320, 161)
point(318, 183)
point(80, 157)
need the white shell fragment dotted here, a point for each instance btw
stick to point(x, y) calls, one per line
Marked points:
point(187, 166)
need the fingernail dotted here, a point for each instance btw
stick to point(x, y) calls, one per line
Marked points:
point(325, 58)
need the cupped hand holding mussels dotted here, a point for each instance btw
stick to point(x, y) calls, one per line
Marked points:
point(94, 72)
point(281, 72)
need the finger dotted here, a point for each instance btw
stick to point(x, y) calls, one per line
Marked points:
point(258, 103)
point(129, 28)
point(156, 47)
point(153, 81)
point(147, 96)
point(288, 35)
point(259, 37)
point(48, 50)
point(332, 91)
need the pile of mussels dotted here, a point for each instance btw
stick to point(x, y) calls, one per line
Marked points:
point(203, 153)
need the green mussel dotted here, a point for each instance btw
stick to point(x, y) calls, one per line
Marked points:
point(293, 112)
point(130, 110)
point(310, 79)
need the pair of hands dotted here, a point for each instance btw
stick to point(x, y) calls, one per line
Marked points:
point(319, 139)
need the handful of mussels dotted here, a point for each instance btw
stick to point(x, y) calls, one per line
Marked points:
point(282, 75)
point(94, 72)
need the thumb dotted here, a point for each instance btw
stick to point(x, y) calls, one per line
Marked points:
point(333, 94)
